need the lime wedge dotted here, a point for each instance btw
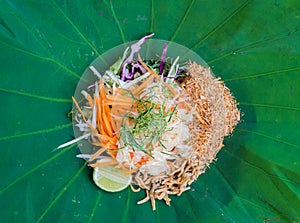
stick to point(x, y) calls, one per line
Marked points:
point(111, 179)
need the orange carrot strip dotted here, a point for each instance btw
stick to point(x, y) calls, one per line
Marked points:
point(92, 128)
point(79, 109)
point(120, 91)
point(98, 153)
point(118, 97)
point(100, 118)
point(98, 114)
point(121, 103)
point(104, 117)
point(101, 101)
point(143, 85)
point(107, 122)
point(113, 154)
point(113, 125)
point(90, 100)
point(102, 89)
point(117, 125)
point(112, 146)
point(147, 68)
point(99, 164)
point(83, 117)
point(105, 139)
point(156, 75)
point(99, 143)
point(107, 111)
point(103, 149)
point(141, 161)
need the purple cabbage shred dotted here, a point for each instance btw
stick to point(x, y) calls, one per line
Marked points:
point(135, 48)
point(163, 57)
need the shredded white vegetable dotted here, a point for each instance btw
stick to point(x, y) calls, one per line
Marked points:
point(127, 85)
point(74, 140)
point(94, 70)
point(172, 72)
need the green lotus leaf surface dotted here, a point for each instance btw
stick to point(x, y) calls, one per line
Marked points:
point(253, 45)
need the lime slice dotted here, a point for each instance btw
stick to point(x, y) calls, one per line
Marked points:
point(111, 179)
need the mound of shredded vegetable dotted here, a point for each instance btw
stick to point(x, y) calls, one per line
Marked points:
point(161, 121)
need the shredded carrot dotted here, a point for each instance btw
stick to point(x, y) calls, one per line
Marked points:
point(114, 127)
point(156, 75)
point(112, 147)
point(98, 153)
point(152, 72)
point(143, 85)
point(103, 141)
point(118, 103)
point(107, 121)
point(131, 154)
point(99, 115)
point(105, 147)
point(119, 97)
point(83, 117)
point(92, 128)
point(105, 126)
point(100, 164)
point(141, 161)
point(79, 109)
point(102, 89)
point(120, 91)
point(113, 154)
point(90, 100)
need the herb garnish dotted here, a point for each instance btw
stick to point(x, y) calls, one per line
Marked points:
point(147, 122)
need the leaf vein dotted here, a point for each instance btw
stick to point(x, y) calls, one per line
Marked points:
point(76, 29)
point(43, 58)
point(95, 207)
point(261, 169)
point(152, 17)
point(277, 72)
point(269, 137)
point(59, 127)
point(29, 30)
point(270, 106)
point(117, 22)
point(32, 170)
point(36, 96)
point(253, 45)
point(60, 193)
point(220, 25)
point(233, 190)
point(126, 211)
point(186, 13)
